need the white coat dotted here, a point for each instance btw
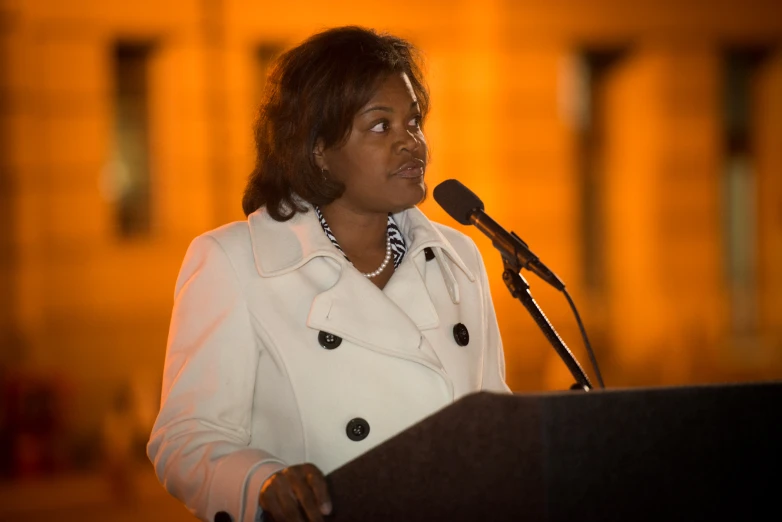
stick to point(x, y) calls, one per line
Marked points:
point(248, 388)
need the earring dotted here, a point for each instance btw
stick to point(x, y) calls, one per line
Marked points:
point(323, 172)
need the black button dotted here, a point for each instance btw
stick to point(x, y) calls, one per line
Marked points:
point(329, 341)
point(428, 253)
point(461, 334)
point(222, 516)
point(357, 429)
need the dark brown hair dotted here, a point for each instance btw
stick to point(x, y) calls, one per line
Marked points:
point(313, 92)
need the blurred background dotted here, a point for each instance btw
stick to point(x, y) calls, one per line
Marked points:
point(635, 146)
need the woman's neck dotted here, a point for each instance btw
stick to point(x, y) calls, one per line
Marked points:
point(358, 233)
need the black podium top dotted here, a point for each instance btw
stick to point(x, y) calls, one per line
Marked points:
point(670, 453)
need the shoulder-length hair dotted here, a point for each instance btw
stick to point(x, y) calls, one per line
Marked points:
point(313, 92)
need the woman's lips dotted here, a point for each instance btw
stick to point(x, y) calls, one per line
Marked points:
point(411, 169)
point(415, 171)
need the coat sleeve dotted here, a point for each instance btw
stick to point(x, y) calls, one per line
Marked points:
point(493, 377)
point(200, 441)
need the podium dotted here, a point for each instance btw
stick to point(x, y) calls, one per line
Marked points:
point(674, 453)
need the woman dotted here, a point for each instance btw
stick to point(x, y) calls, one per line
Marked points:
point(337, 315)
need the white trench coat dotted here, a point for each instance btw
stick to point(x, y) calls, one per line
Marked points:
point(249, 387)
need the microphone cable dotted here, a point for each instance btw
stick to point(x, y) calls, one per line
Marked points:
point(587, 344)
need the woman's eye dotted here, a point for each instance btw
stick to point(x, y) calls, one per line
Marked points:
point(416, 122)
point(380, 127)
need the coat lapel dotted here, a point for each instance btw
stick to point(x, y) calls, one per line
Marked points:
point(407, 290)
point(358, 311)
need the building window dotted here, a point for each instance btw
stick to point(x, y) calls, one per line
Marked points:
point(589, 109)
point(739, 178)
point(128, 178)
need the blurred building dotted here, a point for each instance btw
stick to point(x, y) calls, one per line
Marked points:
point(636, 146)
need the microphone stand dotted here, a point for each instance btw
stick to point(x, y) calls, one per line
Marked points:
point(519, 288)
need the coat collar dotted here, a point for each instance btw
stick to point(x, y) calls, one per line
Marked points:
point(388, 321)
point(282, 247)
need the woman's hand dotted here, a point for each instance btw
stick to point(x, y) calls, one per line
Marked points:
point(296, 494)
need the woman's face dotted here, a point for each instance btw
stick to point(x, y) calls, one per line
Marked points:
point(383, 161)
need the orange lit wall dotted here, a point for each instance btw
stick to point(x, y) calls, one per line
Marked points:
point(83, 304)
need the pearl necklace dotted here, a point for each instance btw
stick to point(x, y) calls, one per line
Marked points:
point(384, 264)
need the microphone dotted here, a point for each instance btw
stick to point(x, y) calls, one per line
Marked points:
point(465, 207)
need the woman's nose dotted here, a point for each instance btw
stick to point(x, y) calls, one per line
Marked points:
point(409, 141)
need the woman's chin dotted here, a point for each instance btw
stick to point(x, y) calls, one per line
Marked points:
point(414, 194)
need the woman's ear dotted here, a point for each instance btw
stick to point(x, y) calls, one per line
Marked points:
point(319, 156)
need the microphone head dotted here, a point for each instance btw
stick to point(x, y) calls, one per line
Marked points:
point(457, 200)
